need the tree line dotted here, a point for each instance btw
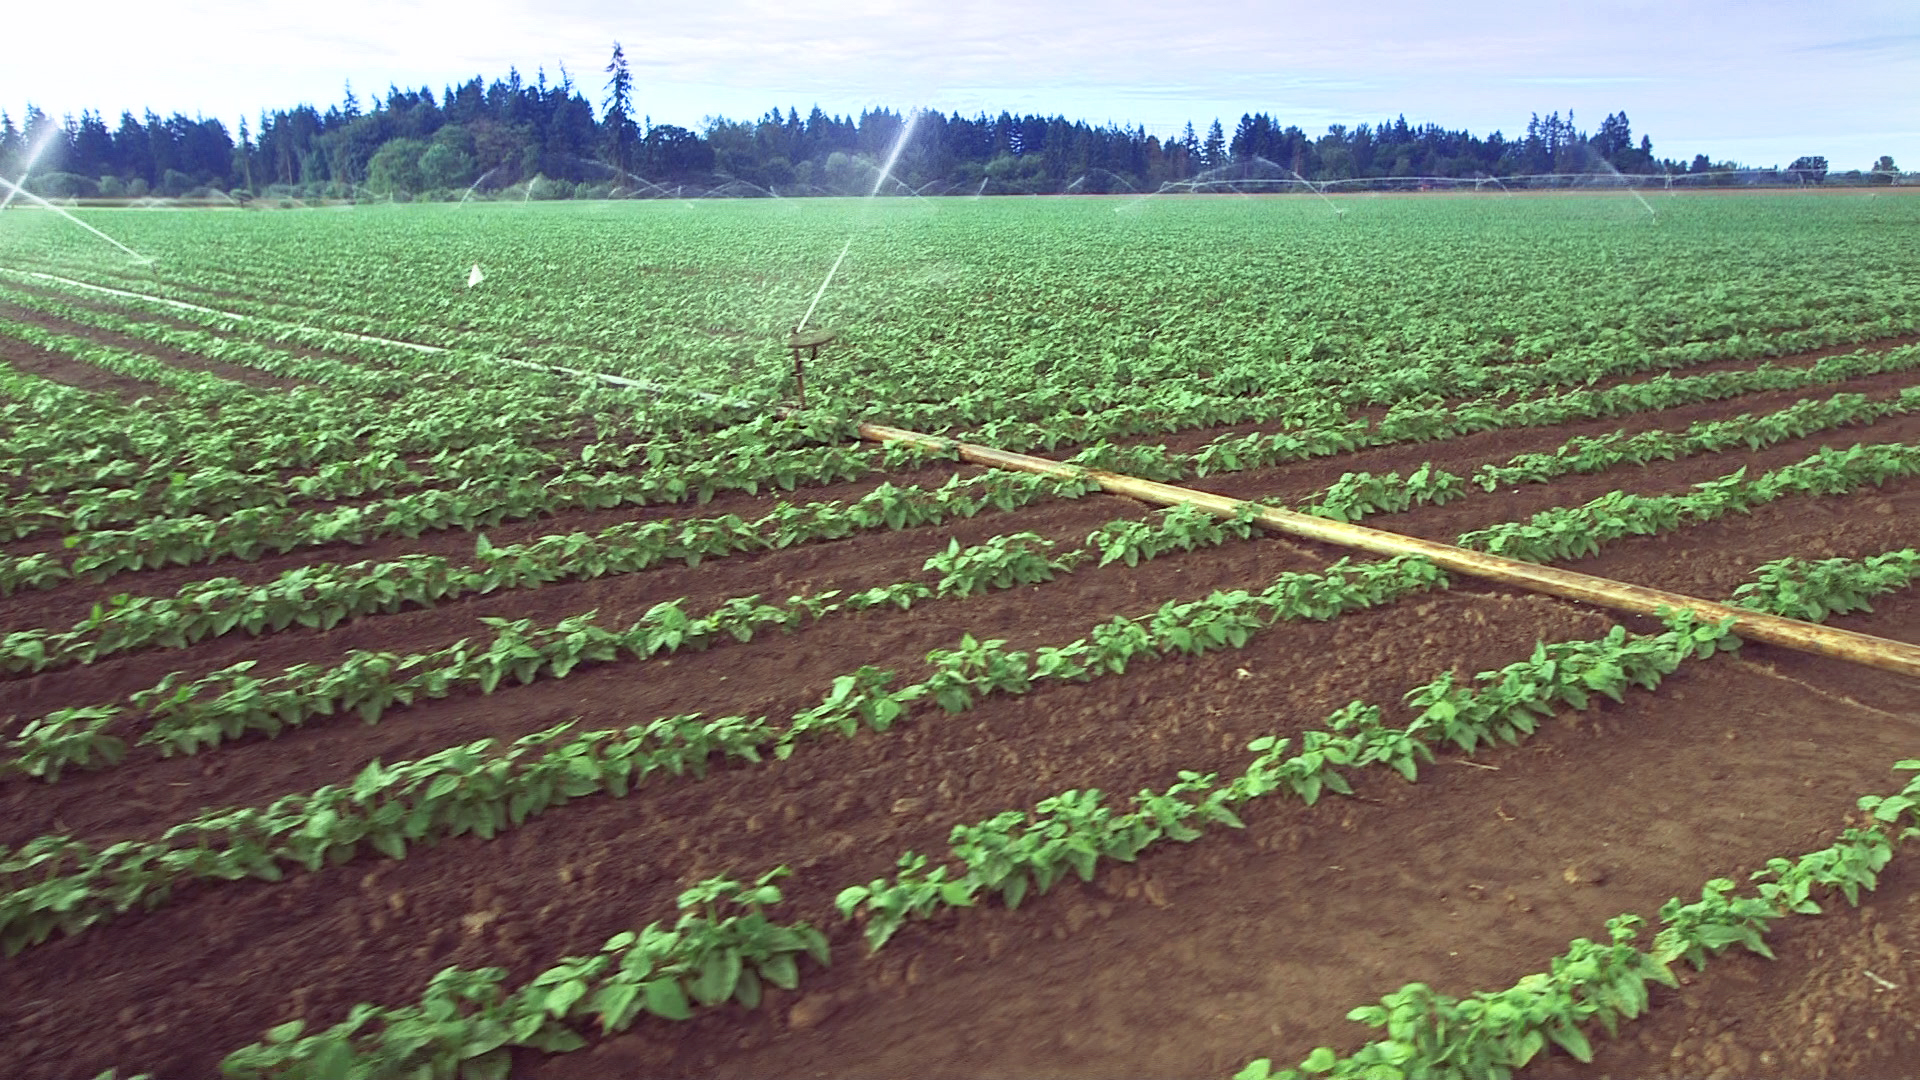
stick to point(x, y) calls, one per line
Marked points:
point(545, 139)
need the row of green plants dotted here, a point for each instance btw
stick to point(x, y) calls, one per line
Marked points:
point(375, 366)
point(185, 716)
point(248, 533)
point(1572, 532)
point(781, 445)
point(1429, 1035)
point(1061, 415)
point(1358, 495)
point(468, 356)
point(1812, 589)
point(60, 883)
point(256, 433)
point(1019, 853)
point(321, 596)
point(199, 387)
point(1592, 454)
point(1464, 315)
point(214, 422)
point(1321, 429)
point(1149, 461)
point(722, 947)
point(261, 356)
point(1422, 421)
point(220, 490)
point(79, 303)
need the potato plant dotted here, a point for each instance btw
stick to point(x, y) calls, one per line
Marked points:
point(1578, 531)
point(722, 947)
point(1491, 1033)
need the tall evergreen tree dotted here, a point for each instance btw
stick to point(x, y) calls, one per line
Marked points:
point(619, 109)
point(1213, 152)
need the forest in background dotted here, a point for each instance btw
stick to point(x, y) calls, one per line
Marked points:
point(545, 139)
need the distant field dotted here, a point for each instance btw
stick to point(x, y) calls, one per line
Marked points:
point(941, 296)
point(353, 657)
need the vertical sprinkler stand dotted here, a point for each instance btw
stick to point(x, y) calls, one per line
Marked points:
point(809, 342)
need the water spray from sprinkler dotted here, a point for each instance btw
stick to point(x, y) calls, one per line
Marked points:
point(16, 189)
point(801, 340)
point(1338, 210)
point(33, 156)
point(1647, 206)
point(893, 158)
point(477, 183)
point(822, 290)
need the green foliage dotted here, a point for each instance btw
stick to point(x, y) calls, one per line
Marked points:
point(1812, 590)
point(723, 947)
point(1490, 1034)
point(1576, 532)
point(999, 563)
point(1357, 495)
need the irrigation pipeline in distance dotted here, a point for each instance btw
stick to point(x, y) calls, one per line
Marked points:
point(613, 380)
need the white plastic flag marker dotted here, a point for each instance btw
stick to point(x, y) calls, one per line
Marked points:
point(475, 277)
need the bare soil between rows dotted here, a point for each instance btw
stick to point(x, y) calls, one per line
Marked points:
point(760, 678)
point(1243, 944)
point(58, 367)
point(254, 377)
point(1246, 943)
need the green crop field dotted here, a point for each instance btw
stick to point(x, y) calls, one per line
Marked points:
point(437, 642)
point(1072, 301)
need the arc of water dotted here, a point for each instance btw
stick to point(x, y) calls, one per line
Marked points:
point(822, 290)
point(1338, 211)
point(62, 211)
point(893, 158)
point(1644, 204)
point(477, 183)
point(33, 156)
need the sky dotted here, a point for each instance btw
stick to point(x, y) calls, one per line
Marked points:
point(1756, 81)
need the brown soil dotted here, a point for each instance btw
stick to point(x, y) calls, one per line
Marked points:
point(1838, 1001)
point(1192, 440)
point(71, 601)
point(236, 372)
point(110, 304)
point(34, 360)
point(1243, 944)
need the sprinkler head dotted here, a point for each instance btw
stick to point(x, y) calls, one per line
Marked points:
point(809, 339)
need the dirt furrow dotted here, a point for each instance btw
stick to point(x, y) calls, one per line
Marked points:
point(838, 812)
point(774, 675)
point(62, 607)
point(1256, 943)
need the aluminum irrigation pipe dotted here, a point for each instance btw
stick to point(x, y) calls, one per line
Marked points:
point(1895, 656)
